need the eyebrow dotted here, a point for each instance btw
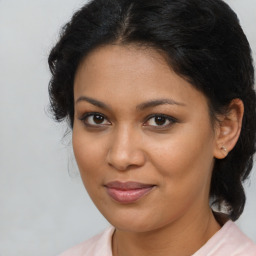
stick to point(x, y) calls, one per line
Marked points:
point(93, 102)
point(142, 106)
point(157, 102)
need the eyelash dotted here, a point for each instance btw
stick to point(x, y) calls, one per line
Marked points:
point(170, 119)
point(93, 114)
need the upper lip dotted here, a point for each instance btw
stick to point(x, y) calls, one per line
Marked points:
point(129, 185)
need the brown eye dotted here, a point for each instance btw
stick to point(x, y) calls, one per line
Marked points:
point(160, 121)
point(95, 119)
point(98, 119)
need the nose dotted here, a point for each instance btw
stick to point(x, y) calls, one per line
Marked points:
point(125, 150)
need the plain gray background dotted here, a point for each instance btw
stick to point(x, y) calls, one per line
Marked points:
point(44, 208)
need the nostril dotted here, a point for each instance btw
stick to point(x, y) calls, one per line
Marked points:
point(124, 160)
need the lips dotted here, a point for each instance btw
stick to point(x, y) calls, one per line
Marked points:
point(127, 192)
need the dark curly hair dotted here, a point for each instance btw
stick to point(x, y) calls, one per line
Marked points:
point(202, 41)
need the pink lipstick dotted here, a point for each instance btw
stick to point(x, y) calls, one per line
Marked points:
point(127, 192)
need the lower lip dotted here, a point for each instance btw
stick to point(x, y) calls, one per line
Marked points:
point(128, 196)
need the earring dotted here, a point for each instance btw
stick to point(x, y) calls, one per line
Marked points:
point(224, 148)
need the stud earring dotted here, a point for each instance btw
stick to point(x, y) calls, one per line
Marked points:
point(224, 148)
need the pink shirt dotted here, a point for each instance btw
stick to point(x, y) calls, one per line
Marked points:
point(228, 241)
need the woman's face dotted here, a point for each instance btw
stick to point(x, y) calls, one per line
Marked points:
point(142, 138)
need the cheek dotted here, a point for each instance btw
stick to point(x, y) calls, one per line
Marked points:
point(90, 160)
point(186, 157)
point(89, 156)
point(185, 168)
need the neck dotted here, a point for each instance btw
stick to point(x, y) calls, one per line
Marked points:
point(180, 238)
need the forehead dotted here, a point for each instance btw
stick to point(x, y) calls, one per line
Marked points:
point(124, 72)
point(127, 58)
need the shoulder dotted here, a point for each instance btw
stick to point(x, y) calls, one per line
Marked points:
point(229, 240)
point(99, 245)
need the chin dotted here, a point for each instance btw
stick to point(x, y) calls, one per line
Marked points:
point(134, 222)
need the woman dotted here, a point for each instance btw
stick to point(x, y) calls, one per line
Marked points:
point(159, 96)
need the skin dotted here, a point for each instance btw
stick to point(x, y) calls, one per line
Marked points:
point(127, 144)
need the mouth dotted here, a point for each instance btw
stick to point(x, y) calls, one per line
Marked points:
point(127, 192)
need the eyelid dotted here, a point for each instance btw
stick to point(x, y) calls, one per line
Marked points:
point(169, 118)
point(89, 114)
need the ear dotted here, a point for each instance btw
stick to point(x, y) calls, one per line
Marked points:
point(228, 129)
